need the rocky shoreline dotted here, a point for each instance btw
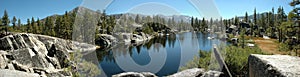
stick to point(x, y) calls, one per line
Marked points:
point(41, 55)
point(194, 72)
point(106, 41)
point(38, 55)
point(33, 55)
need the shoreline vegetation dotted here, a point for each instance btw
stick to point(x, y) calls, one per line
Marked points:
point(258, 30)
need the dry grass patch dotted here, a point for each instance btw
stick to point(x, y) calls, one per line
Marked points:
point(268, 45)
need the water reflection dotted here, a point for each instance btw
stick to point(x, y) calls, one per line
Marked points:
point(125, 49)
point(160, 55)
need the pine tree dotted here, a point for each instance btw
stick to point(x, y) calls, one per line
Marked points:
point(19, 24)
point(203, 24)
point(181, 25)
point(255, 19)
point(211, 22)
point(33, 26)
point(272, 23)
point(14, 22)
point(263, 21)
point(38, 26)
point(28, 26)
point(296, 27)
point(269, 24)
point(246, 17)
point(280, 18)
point(49, 27)
point(103, 21)
point(111, 24)
point(137, 19)
point(243, 37)
point(5, 21)
point(58, 26)
point(46, 29)
point(236, 21)
point(99, 26)
point(170, 22)
point(196, 24)
point(67, 26)
point(255, 23)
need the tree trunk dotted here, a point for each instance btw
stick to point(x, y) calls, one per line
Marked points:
point(5, 30)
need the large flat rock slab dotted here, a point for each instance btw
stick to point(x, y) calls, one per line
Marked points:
point(38, 54)
point(189, 73)
point(274, 66)
point(15, 73)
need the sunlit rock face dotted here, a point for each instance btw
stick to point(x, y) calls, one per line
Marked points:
point(108, 41)
point(135, 74)
point(197, 72)
point(189, 73)
point(193, 72)
point(15, 73)
point(273, 66)
point(38, 54)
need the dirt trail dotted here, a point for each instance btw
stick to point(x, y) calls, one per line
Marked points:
point(268, 45)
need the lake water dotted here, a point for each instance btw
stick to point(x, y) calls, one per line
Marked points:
point(161, 55)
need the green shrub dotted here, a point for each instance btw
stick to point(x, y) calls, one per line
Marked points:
point(84, 68)
point(237, 59)
point(283, 47)
point(147, 30)
point(200, 61)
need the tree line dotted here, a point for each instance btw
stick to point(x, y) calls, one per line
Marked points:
point(199, 25)
point(276, 25)
point(57, 25)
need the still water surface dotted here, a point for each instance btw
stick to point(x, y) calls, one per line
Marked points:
point(161, 55)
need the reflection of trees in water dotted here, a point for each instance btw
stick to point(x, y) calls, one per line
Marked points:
point(138, 48)
point(195, 40)
point(204, 36)
point(122, 49)
point(105, 55)
point(171, 40)
point(181, 37)
point(155, 44)
point(130, 50)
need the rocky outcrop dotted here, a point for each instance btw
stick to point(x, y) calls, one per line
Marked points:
point(194, 72)
point(189, 73)
point(140, 37)
point(107, 41)
point(15, 73)
point(38, 54)
point(211, 73)
point(273, 66)
point(197, 72)
point(135, 74)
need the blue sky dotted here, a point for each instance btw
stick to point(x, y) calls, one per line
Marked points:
point(198, 8)
point(230, 8)
point(24, 9)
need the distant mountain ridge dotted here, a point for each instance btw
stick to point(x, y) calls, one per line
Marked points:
point(251, 16)
point(80, 10)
